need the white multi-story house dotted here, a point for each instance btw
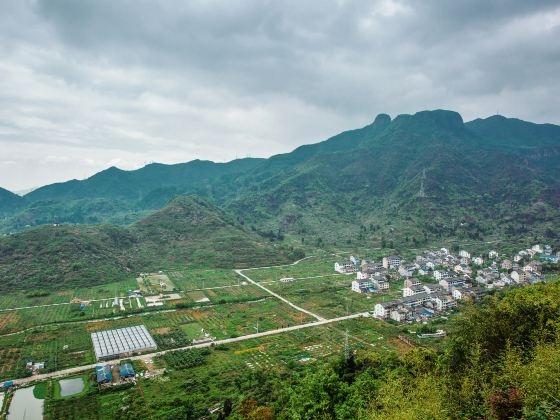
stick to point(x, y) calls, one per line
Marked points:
point(413, 290)
point(411, 282)
point(444, 301)
point(464, 254)
point(400, 314)
point(506, 265)
point(520, 276)
point(345, 267)
point(407, 270)
point(362, 286)
point(380, 283)
point(416, 300)
point(392, 262)
point(432, 288)
point(478, 260)
point(454, 282)
point(382, 310)
point(493, 254)
point(443, 274)
point(538, 248)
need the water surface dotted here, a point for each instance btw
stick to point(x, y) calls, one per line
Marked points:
point(71, 386)
point(25, 406)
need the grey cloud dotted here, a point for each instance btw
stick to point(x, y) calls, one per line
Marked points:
point(172, 80)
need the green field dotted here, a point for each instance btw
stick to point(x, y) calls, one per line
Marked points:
point(203, 278)
point(313, 266)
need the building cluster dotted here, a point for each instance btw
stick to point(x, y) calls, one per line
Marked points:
point(114, 374)
point(437, 279)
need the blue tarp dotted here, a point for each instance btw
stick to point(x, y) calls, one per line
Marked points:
point(126, 370)
point(104, 374)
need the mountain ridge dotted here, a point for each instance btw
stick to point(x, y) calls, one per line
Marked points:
point(404, 169)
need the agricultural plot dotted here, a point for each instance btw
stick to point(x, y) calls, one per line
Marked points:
point(21, 319)
point(58, 347)
point(193, 279)
point(21, 299)
point(47, 297)
point(153, 283)
point(233, 320)
point(329, 296)
point(311, 267)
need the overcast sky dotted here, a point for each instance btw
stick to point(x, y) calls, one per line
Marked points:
point(89, 84)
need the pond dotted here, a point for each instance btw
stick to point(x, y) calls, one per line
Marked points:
point(71, 386)
point(25, 406)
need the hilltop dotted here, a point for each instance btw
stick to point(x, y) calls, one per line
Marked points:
point(188, 232)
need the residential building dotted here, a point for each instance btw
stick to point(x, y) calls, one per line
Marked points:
point(464, 254)
point(345, 267)
point(478, 260)
point(407, 270)
point(444, 301)
point(443, 274)
point(383, 309)
point(400, 314)
point(433, 288)
point(411, 282)
point(363, 286)
point(453, 282)
point(392, 262)
point(416, 300)
point(413, 290)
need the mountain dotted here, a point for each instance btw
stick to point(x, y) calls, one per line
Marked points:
point(489, 177)
point(394, 176)
point(188, 232)
point(118, 196)
point(9, 202)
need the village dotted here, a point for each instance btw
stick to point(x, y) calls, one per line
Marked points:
point(437, 280)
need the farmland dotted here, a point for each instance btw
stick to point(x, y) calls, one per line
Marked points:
point(213, 373)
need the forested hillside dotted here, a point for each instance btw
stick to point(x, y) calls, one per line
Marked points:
point(188, 232)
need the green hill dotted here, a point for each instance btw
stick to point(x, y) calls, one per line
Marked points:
point(189, 231)
point(489, 177)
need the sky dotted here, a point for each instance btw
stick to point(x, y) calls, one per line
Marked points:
point(89, 84)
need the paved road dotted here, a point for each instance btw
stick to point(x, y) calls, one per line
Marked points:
point(276, 295)
point(79, 369)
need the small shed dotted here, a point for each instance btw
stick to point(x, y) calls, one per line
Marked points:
point(126, 371)
point(7, 385)
point(104, 374)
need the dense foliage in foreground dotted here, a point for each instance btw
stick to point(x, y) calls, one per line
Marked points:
point(502, 362)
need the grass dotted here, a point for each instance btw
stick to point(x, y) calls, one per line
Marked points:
point(310, 267)
point(40, 390)
point(193, 279)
